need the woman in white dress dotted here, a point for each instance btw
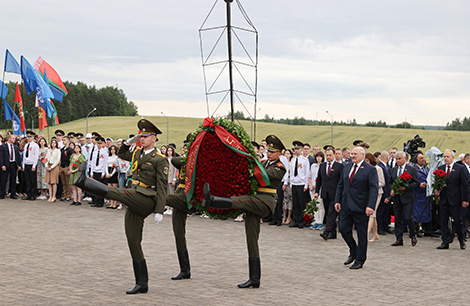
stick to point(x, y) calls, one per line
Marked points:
point(41, 169)
point(373, 218)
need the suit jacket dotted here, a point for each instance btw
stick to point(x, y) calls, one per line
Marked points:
point(457, 183)
point(328, 183)
point(388, 183)
point(5, 155)
point(408, 197)
point(361, 192)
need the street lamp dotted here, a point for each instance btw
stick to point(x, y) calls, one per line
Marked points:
point(331, 116)
point(167, 129)
point(256, 111)
point(32, 120)
point(87, 119)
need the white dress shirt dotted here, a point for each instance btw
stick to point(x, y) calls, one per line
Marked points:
point(303, 169)
point(32, 149)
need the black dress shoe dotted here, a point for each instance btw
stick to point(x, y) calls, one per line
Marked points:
point(443, 246)
point(349, 260)
point(356, 266)
point(397, 243)
point(273, 222)
point(463, 246)
point(32, 198)
point(332, 235)
point(414, 241)
point(25, 198)
point(294, 225)
point(279, 223)
point(382, 233)
point(14, 197)
point(2, 197)
point(324, 235)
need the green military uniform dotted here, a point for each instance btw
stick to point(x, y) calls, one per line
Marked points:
point(147, 195)
point(256, 207)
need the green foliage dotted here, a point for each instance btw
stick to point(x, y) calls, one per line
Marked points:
point(458, 125)
point(406, 125)
point(379, 123)
point(109, 101)
point(303, 121)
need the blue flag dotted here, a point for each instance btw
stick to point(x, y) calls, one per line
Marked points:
point(9, 115)
point(3, 90)
point(58, 95)
point(32, 80)
point(11, 65)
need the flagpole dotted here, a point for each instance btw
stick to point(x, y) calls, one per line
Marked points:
point(3, 81)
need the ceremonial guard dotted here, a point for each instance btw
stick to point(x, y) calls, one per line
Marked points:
point(30, 162)
point(256, 206)
point(147, 194)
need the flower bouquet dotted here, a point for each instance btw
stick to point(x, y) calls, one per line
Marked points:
point(309, 211)
point(440, 178)
point(220, 153)
point(402, 181)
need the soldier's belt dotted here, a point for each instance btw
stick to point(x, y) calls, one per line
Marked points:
point(182, 186)
point(139, 183)
point(266, 190)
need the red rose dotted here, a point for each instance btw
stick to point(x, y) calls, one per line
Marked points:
point(74, 165)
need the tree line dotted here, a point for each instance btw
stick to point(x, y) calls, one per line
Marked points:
point(109, 101)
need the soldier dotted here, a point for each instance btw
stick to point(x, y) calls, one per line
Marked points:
point(256, 206)
point(59, 135)
point(147, 195)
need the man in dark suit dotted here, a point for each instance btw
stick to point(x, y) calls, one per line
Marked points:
point(328, 177)
point(452, 198)
point(403, 203)
point(383, 215)
point(355, 200)
point(10, 165)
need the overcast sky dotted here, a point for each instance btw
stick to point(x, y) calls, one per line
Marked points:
point(368, 60)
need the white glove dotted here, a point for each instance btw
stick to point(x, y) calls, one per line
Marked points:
point(133, 140)
point(158, 218)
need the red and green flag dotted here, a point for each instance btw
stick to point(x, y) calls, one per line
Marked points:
point(19, 103)
point(55, 117)
point(42, 118)
point(54, 80)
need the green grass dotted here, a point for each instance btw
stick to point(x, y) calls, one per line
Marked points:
point(379, 138)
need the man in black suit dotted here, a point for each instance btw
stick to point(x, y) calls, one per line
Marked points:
point(392, 162)
point(383, 215)
point(328, 177)
point(10, 165)
point(355, 200)
point(403, 203)
point(452, 198)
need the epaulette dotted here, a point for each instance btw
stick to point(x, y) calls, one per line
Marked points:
point(280, 164)
point(157, 153)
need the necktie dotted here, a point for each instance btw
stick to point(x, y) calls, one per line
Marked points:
point(400, 171)
point(352, 174)
point(27, 150)
point(91, 155)
point(329, 169)
point(11, 153)
point(296, 172)
point(448, 170)
point(98, 158)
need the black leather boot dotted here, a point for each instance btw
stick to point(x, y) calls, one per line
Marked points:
point(255, 274)
point(215, 202)
point(88, 184)
point(185, 270)
point(141, 277)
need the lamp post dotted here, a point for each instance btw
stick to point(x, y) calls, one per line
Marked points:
point(167, 129)
point(32, 120)
point(256, 111)
point(87, 119)
point(331, 117)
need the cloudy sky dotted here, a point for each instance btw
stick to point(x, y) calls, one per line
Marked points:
point(368, 60)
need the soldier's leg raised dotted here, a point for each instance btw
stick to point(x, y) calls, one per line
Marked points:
point(179, 216)
point(252, 228)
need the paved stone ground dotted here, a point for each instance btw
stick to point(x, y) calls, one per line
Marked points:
point(56, 254)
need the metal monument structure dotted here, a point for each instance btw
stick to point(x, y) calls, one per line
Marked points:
point(230, 66)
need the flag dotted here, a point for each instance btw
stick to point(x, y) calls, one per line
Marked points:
point(33, 82)
point(19, 102)
point(42, 118)
point(3, 90)
point(55, 117)
point(10, 115)
point(57, 86)
point(11, 65)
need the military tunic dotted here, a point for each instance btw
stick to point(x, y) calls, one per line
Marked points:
point(147, 194)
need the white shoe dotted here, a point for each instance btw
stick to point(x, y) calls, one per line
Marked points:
point(168, 212)
point(88, 199)
point(238, 219)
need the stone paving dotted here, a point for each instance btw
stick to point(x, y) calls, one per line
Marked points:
point(57, 254)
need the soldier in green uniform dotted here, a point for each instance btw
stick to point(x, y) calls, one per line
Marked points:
point(148, 194)
point(256, 206)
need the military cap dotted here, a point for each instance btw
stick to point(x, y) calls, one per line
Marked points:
point(363, 144)
point(357, 142)
point(131, 135)
point(71, 134)
point(255, 144)
point(297, 144)
point(95, 134)
point(109, 138)
point(88, 135)
point(147, 128)
point(99, 139)
point(59, 133)
point(79, 135)
point(326, 147)
point(172, 145)
point(274, 144)
point(30, 133)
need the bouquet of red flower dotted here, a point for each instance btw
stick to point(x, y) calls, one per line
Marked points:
point(220, 153)
point(440, 178)
point(402, 181)
point(74, 166)
point(309, 211)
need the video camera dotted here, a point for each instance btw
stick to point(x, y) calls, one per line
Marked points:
point(411, 147)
